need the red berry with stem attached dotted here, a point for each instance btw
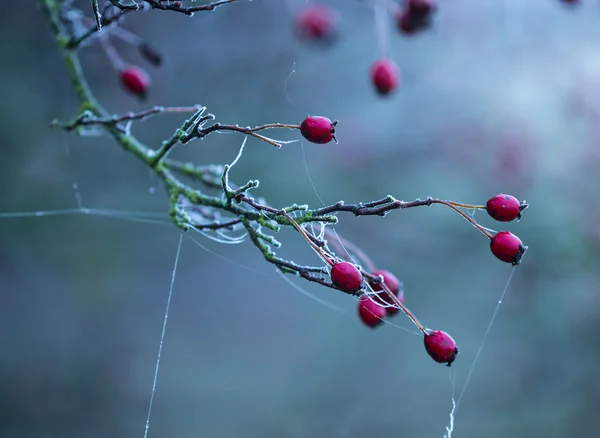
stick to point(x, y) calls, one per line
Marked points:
point(346, 277)
point(370, 313)
point(390, 280)
point(441, 347)
point(318, 23)
point(385, 76)
point(505, 208)
point(135, 80)
point(393, 284)
point(318, 129)
point(507, 247)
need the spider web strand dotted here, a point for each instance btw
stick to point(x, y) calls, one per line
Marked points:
point(162, 337)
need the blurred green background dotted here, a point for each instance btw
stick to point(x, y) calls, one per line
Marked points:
point(500, 96)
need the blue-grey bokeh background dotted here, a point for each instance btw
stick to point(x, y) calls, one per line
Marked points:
point(500, 96)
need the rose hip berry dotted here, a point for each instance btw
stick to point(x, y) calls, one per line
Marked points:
point(135, 80)
point(318, 129)
point(317, 23)
point(507, 247)
point(505, 208)
point(395, 286)
point(421, 9)
point(416, 16)
point(346, 277)
point(370, 313)
point(390, 280)
point(407, 23)
point(384, 76)
point(441, 347)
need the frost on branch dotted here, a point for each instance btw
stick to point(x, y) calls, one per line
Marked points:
point(203, 199)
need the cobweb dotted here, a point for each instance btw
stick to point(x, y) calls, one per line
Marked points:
point(229, 238)
point(381, 9)
point(235, 237)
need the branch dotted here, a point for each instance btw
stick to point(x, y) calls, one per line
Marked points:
point(87, 118)
point(233, 207)
point(178, 6)
point(116, 9)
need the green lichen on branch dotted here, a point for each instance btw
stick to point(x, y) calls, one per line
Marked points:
point(236, 207)
point(230, 207)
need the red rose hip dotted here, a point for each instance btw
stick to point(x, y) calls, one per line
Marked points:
point(393, 284)
point(390, 280)
point(421, 9)
point(346, 277)
point(318, 23)
point(370, 313)
point(385, 76)
point(505, 208)
point(318, 129)
point(135, 80)
point(441, 347)
point(407, 23)
point(507, 247)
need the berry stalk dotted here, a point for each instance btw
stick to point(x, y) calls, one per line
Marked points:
point(471, 207)
point(465, 216)
point(402, 307)
point(327, 258)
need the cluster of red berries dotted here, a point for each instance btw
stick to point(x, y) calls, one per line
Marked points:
point(503, 208)
point(385, 294)
point(373, 309)
point(319, 23)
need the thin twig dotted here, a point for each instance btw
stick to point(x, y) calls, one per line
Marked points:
point(178, 7)
point(87, 118)
point(104, 19)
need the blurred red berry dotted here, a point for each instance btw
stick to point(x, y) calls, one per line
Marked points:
point(135, 80)
point(317, 129)
point(395, 286)
point(507, 247)
point(370, 313)
point(385, 76)
point(409, 24)
point(346, 277)
point(441, 347)
point(421, 9)
point(505, 208)
point(317, 22)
